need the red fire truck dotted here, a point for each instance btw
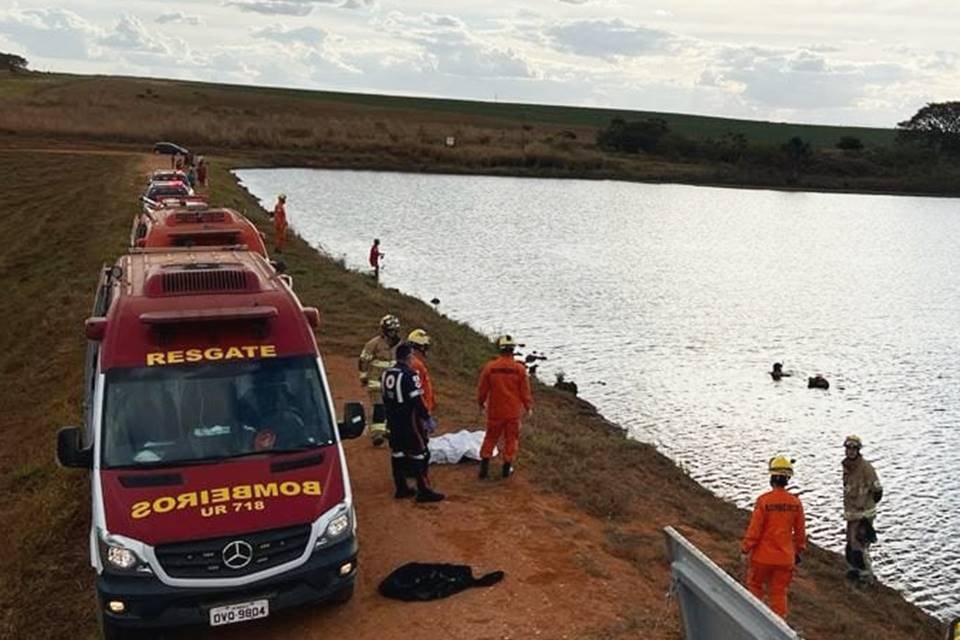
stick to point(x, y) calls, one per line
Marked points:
point(195, 227)
point(219, 484)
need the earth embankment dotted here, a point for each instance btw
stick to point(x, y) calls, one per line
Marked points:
point(577, 530)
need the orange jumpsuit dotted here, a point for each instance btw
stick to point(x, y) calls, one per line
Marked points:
point(280, 225)
point(427, 387)
point(776, 535)
point(504, 390)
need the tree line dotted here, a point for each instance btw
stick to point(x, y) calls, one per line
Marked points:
point(931, 135)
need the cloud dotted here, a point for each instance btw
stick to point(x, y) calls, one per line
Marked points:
point(609, 39)
point(273, 7)
point(435, 20)
point(799, 79)
point(130, 33)
point(309, 36)
point(298, 8)
point(179, 17)
point(51, 33)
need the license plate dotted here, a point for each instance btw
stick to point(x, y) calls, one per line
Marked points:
point(241, 612)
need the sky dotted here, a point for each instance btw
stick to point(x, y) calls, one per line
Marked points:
point(847, 62)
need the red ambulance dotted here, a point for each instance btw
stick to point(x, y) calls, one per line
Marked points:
point(219, 484)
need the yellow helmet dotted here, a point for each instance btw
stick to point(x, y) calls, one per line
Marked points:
point(506, 342)
point(852, 441)
point(781, 466)
point(419, 337)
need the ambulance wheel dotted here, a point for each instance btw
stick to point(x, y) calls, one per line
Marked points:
point(343, 595)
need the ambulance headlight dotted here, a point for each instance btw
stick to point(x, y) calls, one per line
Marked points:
point(121, 558)
point(338, 525)
point(342, 524)
point(119, 555)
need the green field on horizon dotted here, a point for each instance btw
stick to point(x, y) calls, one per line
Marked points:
point(692, 126)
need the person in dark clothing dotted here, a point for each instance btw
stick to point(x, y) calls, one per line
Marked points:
point(408, 423)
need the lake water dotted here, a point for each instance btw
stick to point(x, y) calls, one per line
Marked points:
point(667, 304)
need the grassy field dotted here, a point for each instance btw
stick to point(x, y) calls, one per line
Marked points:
point(286, 127)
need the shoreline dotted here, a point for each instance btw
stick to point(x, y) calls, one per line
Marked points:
point(584, 407)
point(585, 511)
point(588, 406)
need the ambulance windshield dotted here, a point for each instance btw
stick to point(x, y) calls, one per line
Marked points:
point(159, 416)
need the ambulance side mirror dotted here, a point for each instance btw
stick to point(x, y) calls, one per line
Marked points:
point(354, 421)
point(69, 453)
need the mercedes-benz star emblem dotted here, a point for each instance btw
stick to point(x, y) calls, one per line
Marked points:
point(237, 554)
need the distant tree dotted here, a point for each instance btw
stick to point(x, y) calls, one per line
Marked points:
point(729, 147)
point(936, 126)
point(633, 137)
point(797, 151)
point(850, 143)
point(12, 62)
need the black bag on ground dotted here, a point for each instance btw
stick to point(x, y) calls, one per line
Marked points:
point(429, 581)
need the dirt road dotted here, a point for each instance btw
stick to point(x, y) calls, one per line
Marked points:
point(559, 582)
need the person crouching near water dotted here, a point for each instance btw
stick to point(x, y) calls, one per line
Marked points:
point(775, 538)
point(504, 392)
point(409, 424)
point(861, 493)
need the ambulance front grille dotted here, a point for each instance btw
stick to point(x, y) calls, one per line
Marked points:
point(180, 282)
point(208, 558)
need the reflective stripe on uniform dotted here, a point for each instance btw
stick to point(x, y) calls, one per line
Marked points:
point(382, 364)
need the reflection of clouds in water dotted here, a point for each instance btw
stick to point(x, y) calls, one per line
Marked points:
point(678, 299)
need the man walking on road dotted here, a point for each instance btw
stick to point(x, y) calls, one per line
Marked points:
point(280, 223)
point(775, 538)
point(504, 392)
point(409, 423)
point(861, 493)
point(375, 256)
point(376, 357)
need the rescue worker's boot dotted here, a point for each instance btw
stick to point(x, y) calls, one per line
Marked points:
point(484, 468)
point(425, 492)
point(507, 470)
point(399, 468)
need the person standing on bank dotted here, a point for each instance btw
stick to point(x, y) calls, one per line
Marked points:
point(420, 341)
point(408, 423)
point(376, 357)
point(504, 392)
point(375, 256)
point(280, 223)
point(775, 538)
point(861, 493)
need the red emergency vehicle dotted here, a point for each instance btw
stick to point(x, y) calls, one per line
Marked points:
point(195, 227)
point(219, 484)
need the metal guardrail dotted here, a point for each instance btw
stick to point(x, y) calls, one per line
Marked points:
point(714, 606)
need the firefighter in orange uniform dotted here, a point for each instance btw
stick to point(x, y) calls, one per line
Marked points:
point(775, 539)
point(420, 341)
point(504, 391)
point(280, 223)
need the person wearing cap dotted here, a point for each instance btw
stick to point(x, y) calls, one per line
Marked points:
point(775, 539)
point(409, 423)
point(861, 493)
point(280, 223)
point(377, 356)
point(504, 393)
